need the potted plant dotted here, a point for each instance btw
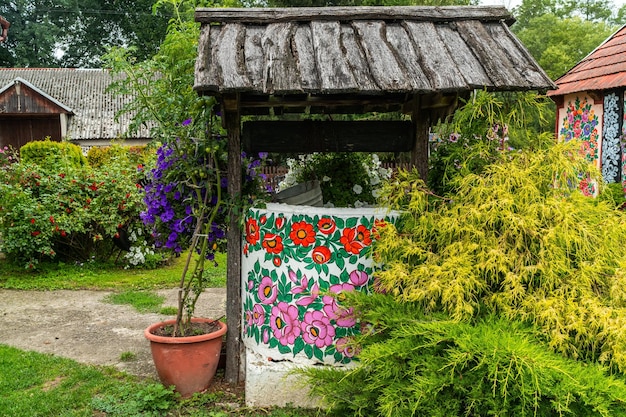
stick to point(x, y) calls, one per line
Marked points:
point(185, 193)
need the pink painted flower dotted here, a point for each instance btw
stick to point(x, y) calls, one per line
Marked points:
point(359, 278)
point(249, 321)
point(266, 336)
point(258, 315)
point(344, 317)
point(284, 323)
point(267, 291)
point(317, 330)
point(302, 287)
point(346, 347)
point(308, 299)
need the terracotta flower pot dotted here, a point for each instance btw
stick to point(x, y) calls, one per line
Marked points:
point(187, 363)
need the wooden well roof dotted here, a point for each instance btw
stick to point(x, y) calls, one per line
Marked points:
point(331, 59)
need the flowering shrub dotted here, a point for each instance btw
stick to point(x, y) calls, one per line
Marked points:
point(73, 213)
point(8, 155)
point(184, 179)
point(186, 202)
point(347, 179)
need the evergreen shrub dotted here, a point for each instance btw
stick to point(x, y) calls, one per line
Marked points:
point(507, 298)
point(50, 153)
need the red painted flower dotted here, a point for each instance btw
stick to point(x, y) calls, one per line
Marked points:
point(252, 231)
point(279, 222)
point(378, 225)
point(277, 261)
point(321, 255)
point(355, 239)
point(302, 233)
point(326, 225)
point(263, 219)
point(272, 243)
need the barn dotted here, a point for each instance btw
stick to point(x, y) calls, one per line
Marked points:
point(63, 104)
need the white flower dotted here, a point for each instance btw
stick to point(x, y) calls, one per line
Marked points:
point(376, 192)
point(358, 204)
point(375, 180)
point(357, 189)
point(326, 178)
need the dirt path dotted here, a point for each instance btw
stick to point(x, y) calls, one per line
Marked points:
point(80, 326)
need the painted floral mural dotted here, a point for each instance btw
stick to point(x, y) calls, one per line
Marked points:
point(581, 122)
point(297, 266)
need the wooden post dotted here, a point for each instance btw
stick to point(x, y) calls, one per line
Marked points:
point(421, 127)
point(232, 122)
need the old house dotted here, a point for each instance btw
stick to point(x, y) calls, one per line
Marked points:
point(591, 104)
point(62, 103)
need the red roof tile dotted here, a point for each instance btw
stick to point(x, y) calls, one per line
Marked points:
point(603, 69)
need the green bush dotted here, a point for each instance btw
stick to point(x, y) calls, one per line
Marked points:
point(506, 299)
point(99, 156)
point(417, 364)
point(53, 154)
point(66, 211)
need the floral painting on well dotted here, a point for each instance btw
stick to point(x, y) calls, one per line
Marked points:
point(296, 269)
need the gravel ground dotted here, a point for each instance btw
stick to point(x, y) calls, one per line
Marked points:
point(81, 326)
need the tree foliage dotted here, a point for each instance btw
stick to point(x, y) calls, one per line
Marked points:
point(519, 241)
point(559, 33)
point(64, 33)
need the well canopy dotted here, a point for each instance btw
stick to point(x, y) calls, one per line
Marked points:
point(317, 59)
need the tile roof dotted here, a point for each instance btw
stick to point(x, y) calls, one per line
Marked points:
point(603, 69)
point(84, 92)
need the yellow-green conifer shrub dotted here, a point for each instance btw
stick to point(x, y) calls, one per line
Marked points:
point(506, 299)
point(519, 241)
point(52, 154)
point(99, 156)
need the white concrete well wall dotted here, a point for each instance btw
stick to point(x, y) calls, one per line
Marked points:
point(297, 260)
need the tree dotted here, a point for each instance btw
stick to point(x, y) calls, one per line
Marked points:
point(67, 33)
point(559, 43)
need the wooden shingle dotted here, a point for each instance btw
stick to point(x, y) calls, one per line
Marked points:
point(338, 52)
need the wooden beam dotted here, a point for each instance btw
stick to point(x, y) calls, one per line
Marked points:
point(233, 271)
point(419, 153)
point(309, 136)
point(425, 13)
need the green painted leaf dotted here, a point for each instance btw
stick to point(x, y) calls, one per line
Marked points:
point(308, 351)
point(284, 349)
point(298, 346)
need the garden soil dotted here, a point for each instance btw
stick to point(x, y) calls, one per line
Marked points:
point(81, 325)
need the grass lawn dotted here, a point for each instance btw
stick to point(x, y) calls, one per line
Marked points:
point(34, 384)
point(101, 276)
point(38, 385)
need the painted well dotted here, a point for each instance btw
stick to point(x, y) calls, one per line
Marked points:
point(297, 260)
